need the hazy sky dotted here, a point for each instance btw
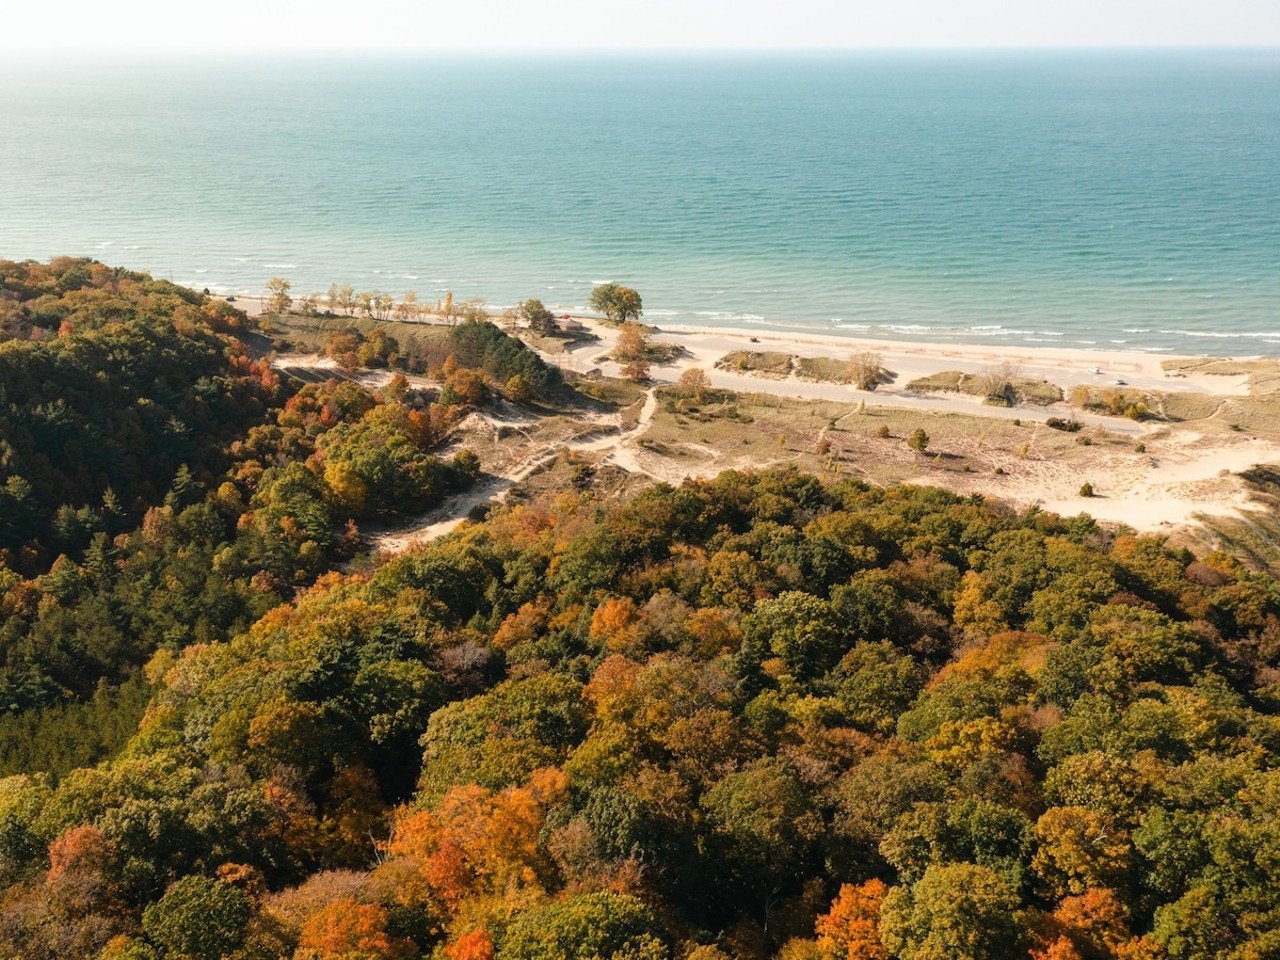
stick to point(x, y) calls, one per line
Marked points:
point(112, 24)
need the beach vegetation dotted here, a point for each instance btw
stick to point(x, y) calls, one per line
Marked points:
point(619, 304)
point(341, 299)
point(637, 370)
point(918, 441)
point(1114, 402)
point(867, 370)
point(632, 343)
point(1001, 385)
point(278, 299)
point(537, 317)
point(770, 364)
point(694, 384)
point(408, 308)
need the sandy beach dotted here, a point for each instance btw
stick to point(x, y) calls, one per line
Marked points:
point(909, 360)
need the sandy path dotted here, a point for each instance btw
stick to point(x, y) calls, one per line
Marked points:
point(704, 355)
point(450, 515)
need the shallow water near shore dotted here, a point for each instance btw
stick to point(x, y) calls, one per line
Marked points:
point(1109, 199)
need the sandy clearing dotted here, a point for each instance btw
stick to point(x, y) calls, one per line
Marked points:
point(450, 515)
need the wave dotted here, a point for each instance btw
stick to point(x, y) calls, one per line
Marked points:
point(1223, 334)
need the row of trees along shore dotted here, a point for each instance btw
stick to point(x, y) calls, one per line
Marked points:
point(617, 303)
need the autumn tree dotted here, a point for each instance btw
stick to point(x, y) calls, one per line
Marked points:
point(198, 918)
point(799, 628)
point(632, 343)
point(636, 371)
point(341, 299)
point(1079, 849)
point(408, 308)
point(866, 369)
point(278, 299)
point(694, 384)
point(763, 823)
point(348, 930)
point(594, 925)
point(850, 930)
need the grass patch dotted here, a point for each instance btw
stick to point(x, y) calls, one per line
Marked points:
point(308, 334)
point(997, 387)
point(1116, 402)
point(830, 370)
point(716, 405)
point(1187, 406)
point(762, 363)
point(1263, 374)
point(611, 390)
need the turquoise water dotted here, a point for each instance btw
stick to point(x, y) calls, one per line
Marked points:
point(1125, 199)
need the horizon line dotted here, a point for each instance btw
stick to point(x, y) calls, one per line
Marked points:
point(256, 47)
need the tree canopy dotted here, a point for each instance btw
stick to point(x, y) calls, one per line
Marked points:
point(759, 716)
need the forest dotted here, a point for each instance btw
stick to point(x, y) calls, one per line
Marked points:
point(159, 486)
point(766, 715)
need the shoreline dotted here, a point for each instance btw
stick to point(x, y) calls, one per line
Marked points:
point(773, 331)
point(1120, 359)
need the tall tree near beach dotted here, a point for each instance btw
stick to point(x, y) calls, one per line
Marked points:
point(540, 320)
point(619, 304)
point(408, 309)
point(278, 299)
point(341, 298)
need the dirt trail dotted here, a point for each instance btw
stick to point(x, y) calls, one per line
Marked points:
point(447, 517)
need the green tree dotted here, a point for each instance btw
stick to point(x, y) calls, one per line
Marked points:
point(955, 911)
point(763, 823)
point(594, 926)
point(618, 303)
point(540, 320)
point(198, 918)
point(801, 629)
